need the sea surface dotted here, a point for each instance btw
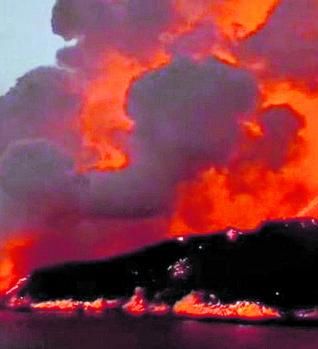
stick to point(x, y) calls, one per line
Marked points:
point(119, 331)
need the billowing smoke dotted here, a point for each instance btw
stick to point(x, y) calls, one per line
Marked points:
point(39, 186)
point(280, 127)
point(131, 27)
point(42, 104)
point(165, 85)
point(187, 118)
point(288, 44)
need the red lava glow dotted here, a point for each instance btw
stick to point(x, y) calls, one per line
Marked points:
point(96, 307)
point(57, 306)
point(137, 305)
point(11, 269)
point(103, 120)
point(193, 306)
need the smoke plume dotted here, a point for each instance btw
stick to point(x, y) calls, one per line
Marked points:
point(161, 118)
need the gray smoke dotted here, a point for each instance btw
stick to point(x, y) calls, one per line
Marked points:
point(43, 103)
point(187, 118)
point(132, 27)
point(288, 42)
point(41, 179)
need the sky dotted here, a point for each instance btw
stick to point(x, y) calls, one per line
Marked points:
point(26, 38)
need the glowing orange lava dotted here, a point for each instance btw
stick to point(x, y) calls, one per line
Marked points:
point(191, 306)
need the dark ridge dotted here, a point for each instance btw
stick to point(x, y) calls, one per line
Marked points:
point(276, 264)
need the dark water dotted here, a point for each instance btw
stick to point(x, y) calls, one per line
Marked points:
point(116, 331)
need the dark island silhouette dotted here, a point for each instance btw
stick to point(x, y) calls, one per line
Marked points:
point(276, 265)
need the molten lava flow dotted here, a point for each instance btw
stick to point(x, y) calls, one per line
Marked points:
point(191, 306)
point(194, 306)
point(64, 306)
point(96, 307)
point(104, 121)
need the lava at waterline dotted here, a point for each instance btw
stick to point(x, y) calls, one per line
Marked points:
point(164, 118)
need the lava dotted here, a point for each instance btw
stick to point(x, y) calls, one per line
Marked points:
point(193, 306)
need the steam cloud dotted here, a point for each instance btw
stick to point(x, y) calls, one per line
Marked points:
point(288, 42)
point(188, 114)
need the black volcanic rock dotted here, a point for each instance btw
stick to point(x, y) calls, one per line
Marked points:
point(276, 265)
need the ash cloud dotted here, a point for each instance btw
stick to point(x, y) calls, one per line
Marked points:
point(43, 103)
point(280, 126)
point(187, 114)
point(40, 177)
point(132, 27)
point(187, 118)
point(288, 42)
point(197, 42)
